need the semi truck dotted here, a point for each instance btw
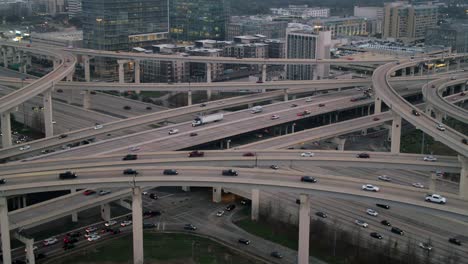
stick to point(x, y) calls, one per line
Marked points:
point(201, 120)
point(256, 109)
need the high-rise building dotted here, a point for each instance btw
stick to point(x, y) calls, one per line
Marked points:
point(191, 20)
point(307, 44)
point(408, 22)
point(374, 16)
point(253, 25)
point(121, 25)
point(74, 8)
point(302, 11)
point(454, 36)
point(342, 26)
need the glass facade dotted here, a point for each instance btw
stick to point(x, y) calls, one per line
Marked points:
point(192, 20)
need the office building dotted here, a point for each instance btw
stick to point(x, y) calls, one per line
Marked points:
point(74, 8)
point(307, 44)
point(374, 16)
point(301, 11)
point(253, 25)
point(191, 20)
point(408, 22)
point(342, 26)
point(454, 36)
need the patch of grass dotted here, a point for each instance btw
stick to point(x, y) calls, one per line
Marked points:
point(411, 143)
point(267, 232)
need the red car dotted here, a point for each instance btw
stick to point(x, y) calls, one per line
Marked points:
point(249, 154)
point(89, 192)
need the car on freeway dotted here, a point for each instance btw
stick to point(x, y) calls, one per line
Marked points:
point(134, 149)
point(89, 192)
point(294, 105)
point(307, 154)
point(149, 108)
point(416, 113)
point(230, 207)
point(249, 154)
point(125, 223)
point(376, 119)
point(110, 223)
point(455, 241)
point(361, 223)
point(170, 172)
point(244, 241)
point(385, 206)
point(130, 172)
point(384, 178)
point(98, 126)
point(63, 136)
point(274, 167)
point(308, 179)
point(2, 181)
point(90, 229)
point(196, 153)
point(276, 254)
point(94, 238)
point(25, 147)
point(363, 155)
point(440, 127)
point(50, 241)
point(130, 157)
point(190, 227)
point(153, 196)
point(372, 212)
point(321, 105)
point(376, 235)
point(425, 246)
point(104, 192)
point(418, 185)
point(259, 81)
point(230, 172)
point(370, 187)
point(385, 223)
point(308, 99)
point(304, 113)
point(90, 234)
point(220, 213)
point(173, 131)
point(193, 134)
point(148, 225)
point(435, 198)
point(273, 117)
point(397, 230)
point(430, 158)
point(127, 107)
point(321, 214)
point(202, 105)
point(464, 141)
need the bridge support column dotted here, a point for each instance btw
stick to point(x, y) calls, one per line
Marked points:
point(186, 188)
point(217, 194)
point(6, 129)
point(403, 72)
point(87, 69)
point(189, 98)
point(69, 77)
point(209, 68)
point(304, 229)
point(137, 225)
point(105, 212)
point(29, 245)
point(5, 230)
point(432, 182)
point(463, 192)
point(5, 57)
point(451, 90)
point(458, 64)
point(421, 70)
point(438, 115)
point(137, 71)
point(19, 56)
point(121, 71)
point(377, 105)
point(255, 204)
point(24, 200)
point(285, 95)
point(56, 63)
point(364, 132)
point(74, 215)
point(340, 142)
point(396, 133)
point(47, 102)
point(264, 73)
point(86, 99)
point(412, 71)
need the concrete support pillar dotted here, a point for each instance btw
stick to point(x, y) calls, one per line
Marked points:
point(304, 229)
point(340, 142)
point(463, 192)
point(137, 226)
point(47, 102)
point(438, 115)
point(364, 132)
point(30, 258)
point(137, 71)
point(432, 182)
point(69, 77)
point(189, 98)
point(396, 133)
point(5, 230)
point(403, 72)
point(458, 64)
point(186, 188)
point(74, 215)
point(217, 194)
point(208, 72)
point(286, 95)
point(105, 212)
point(264, 73)
point(87, 69)
point(28, 60)
point(377, 105)
point(255, 204)
point(86, 99)
point(24, 200)
point(421, 70)
point(121, 71)
point(5, 57)
point(208, 94)
point(451, 90)
point(20, 56)
point(56, 63)
point(412, 71)
point(6, 129)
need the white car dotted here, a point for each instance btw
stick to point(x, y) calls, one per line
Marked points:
point(110, 223)
point(372, 212)
point(173, 131)
point(435, 198)
point(370, 187)
point(94, 238)
point(90, 229)
point(273, 117)
point(104, 192)
point(90, 234)
point(50, 241)
point(384, 178)
point(126, 223)
point(98, 126)
point(425, 246)
point(430, 158)
point(220, 213)
point(440, 126)
point(307, 154)
point(418, 185)
point(361, 223)
point(134, 149)
point(308, 100)
point(25, 147)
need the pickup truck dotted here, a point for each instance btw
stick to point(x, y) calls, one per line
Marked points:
point(435, 198)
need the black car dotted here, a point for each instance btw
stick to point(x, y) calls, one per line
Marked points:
point(2, 181)
point(385, 222)
point(363, 155)
point(416, 113)
point(127, 107)
point(385, 206)
point(230, 172)
point(455, 241)
point(190, 227)
point(130, 172)
point(153, 196)
point(397, 231)
point(203, 105)
point(244, 241)
point(67, 175)
point(148, 225)
point(465, 141)
point(320, 214)
point(170, 172)
point(149, 108)
point(294, 105)
point(308, 179)
point(130, 157)
point(230, 207)
point(376, 235)
point(63, 136)
point(276, 254)
point(298, 201)
point(193, 134)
